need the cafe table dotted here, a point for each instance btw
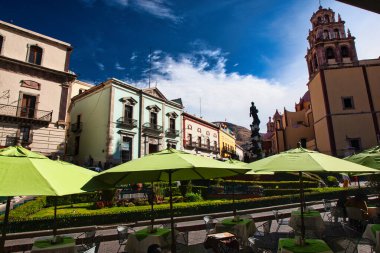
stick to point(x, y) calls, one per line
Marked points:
point(288, 245)
point(45, 245)
point(139, 241)
point(242, 228)
point(312, 219)
point(372, 232)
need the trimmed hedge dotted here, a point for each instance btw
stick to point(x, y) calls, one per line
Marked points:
point(273, 184)
point(139, 213)
point(27, 209)
point(73, 199)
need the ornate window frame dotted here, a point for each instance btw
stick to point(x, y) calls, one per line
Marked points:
point(153, 108)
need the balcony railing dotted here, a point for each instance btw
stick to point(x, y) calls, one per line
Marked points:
point(76, 127)
point(172, 133)
point(127, 122)
point(202, 147)
point(152, 128)
point(228, 151)
point(11, 113)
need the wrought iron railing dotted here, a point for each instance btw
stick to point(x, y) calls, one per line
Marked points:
point(228, 151)
point(172, 132)
point(152, 127)
point(127, 122)
point(14, 140)
point(25, 112)
point(76, 127)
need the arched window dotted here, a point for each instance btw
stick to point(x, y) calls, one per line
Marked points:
point(35, 55)
point(1, 43)
point(327, 18)
point(326, 35)
point(278, 124)
point(315, 62)
point(319, 20)
point(330, 53)
point(336, 33)
point(344, 51)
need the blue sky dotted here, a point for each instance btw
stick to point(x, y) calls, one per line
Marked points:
point(225, 53)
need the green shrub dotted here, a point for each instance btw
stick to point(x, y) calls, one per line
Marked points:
point(193, 197)
point(28, 208)
point(332, 181)
point(73, 199)
point(279, 192)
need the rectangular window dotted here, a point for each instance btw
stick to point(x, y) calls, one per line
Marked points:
point(172, 124)
point(76, 145)
point(303, 142)
point(355, 144)
point(153, 118)
point(199, 141)
point(128, 112)
point(24, 134)
point(126, 149)
point(348, 103)
point(189, 139)
point(1, 43)
point(35, 55)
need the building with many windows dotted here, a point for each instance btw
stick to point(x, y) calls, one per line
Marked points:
point(114, 122)
point(34, 89)
point(343, 99)
point(227, 141)
point(200, 136)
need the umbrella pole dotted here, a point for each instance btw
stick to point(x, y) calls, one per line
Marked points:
point(173, 246)
point(233, 198)
point(151, 207)
point(302, 199)
point(55, 217)
point(5, 224)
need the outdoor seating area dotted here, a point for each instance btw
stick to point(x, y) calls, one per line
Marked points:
point(300, 228)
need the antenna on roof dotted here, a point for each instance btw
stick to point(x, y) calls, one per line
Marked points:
point(150, 65)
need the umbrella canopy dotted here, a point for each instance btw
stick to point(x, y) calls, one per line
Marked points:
point(157, 166)
point(369, 158)
point(23, 172)
point(300, 159)
point(244, 165)
point(168, 165)
point(303, 160)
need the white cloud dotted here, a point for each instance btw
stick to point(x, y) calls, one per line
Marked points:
point(223, 95)
point(100, 66)
point(119, 67)
point(134, 56)
point(158, 8)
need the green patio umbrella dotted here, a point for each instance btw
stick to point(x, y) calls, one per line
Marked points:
point(369, 158)
point(23, 172)
point(167, 165)
point(303, 160)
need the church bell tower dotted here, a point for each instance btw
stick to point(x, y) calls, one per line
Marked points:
point(330, 46)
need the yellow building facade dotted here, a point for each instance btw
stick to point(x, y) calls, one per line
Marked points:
point(227, 142)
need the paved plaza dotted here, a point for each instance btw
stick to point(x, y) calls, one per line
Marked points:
point(196, 238)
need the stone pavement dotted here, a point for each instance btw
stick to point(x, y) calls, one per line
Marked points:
point(196, 238)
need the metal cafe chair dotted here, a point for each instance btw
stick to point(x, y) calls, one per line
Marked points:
point(210, 224)
point(262, 240)
point(355, 238)
point(122, 235)
point(280, 221)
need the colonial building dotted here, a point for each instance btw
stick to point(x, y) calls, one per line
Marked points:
point(115, 122)
point(227, 141)
point(343, 94)
point(34, 89)
point(199, 136)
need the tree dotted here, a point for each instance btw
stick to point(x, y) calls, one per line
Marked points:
point(254, 151)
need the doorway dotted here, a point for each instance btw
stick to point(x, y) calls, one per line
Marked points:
point(28, 106)
point(153, 148)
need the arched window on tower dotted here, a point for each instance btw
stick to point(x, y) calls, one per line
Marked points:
point(344, 51)
point(330, 53)
point(319, 20)
point(278, 124)
point(35, 55)
point(326, 35)
point(336, 33)
point(327, 19)
point(1, 43)
point(315, 62)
